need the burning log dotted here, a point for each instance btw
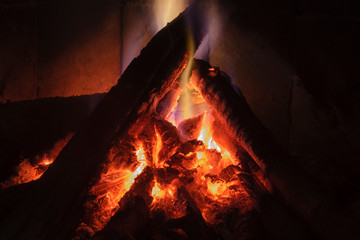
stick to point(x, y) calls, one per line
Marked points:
point(132, 218)
point(48, 120)
point(169, 101)
point(147, 135)
point(169, 137)
point(300, 192)
point(52, 208)
point(193, 224)
point(236, 150)
point(122, 154)
point(190, 128)
point(191, 146)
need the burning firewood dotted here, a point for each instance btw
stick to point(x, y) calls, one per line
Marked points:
point(133, 216)
point(166, 175)
point(169, 101)
point(193, 224)
point(123, 154)
point(190, 128)
point(146, 134)
point(52, 208)
point(237, 150)
point(298, 189)
point(228, 174)
point(169, 137)
point(32, 169)
point(191, 146)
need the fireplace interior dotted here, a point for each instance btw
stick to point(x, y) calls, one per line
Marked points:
point(184, 119)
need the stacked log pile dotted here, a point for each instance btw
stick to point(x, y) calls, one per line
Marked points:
point(289, 202)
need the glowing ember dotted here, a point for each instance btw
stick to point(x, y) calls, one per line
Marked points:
point(132, 175)
point(217, 188)
point(140, 154)
point(111, 188)
point(190, 167)
point(157, 149)
point(30, 170)
point(157, 193)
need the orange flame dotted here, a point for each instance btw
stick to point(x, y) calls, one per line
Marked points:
point(157, 149)
point(157, 193)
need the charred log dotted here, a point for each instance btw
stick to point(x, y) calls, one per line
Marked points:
point(190, 128)
point(169, 136)
point(48, 120)
point(236, 149)
point(277, 219)
point(297, 188)
point(132, 218)
point(193, 224)
point(191, 146)
point(169, 101)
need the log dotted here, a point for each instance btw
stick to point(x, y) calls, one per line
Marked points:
point(190, 128)
point(193, 224)
point(169, 101)
point(52, 208)
point(239, 153)
point(170, 139)
point(30, 128)
point(130, 221)
point(278, 221)
point(296, 187)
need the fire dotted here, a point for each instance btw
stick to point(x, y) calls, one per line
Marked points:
point(196, 170)
point(32, 169)
point(157, 193)
point(140, 154)
point(166, 10)
point(132, 175)
point(217, 189)
point(112, 187)
point(186, 162)
point(211, 162)
point(171, 119)
point(157, 148)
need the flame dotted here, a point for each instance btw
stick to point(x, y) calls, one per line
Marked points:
point(171, 119)
point(217, 188)
point(206, 133)
point(167, 10)
point(140, 154)
point(207, 188)
point(129, 176)
point(186, 99)
point(113, 185)
point(212, 183)
point(157, 149)
point(157, 193)
point(132, 175)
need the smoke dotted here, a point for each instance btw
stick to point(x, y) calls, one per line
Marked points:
point(215, 20)
point(166, 10)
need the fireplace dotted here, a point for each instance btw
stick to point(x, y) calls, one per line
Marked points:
point(172, 151)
